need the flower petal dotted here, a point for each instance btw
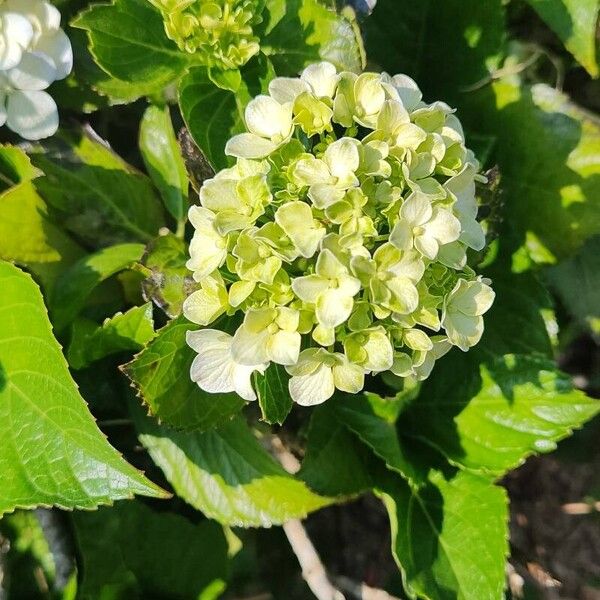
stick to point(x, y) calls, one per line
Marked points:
point(32, 114)
point(322, 78)
point(287, 89)
point(284, 347)
point(58, 47)
point(248, 145)
point(310, 390)
point(36, 71)
point(333, 308)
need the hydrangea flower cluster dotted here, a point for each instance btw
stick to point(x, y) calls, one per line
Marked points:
point(34, 52)
point(341, 235)
point(219, 31)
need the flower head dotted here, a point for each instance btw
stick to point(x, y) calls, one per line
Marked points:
point(218, 32)
point(34, 52)
point(341, 234)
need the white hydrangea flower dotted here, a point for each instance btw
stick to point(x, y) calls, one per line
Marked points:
point(318, 373)
point(345, 245)
point(34, 53)
point(462, 316)
point(270, 125)
point(214, 368)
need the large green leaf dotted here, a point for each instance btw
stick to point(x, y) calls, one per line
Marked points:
point(575, 22)
point(273, 394)
point(548, 151)
point(515, 323)
point(128, 40)
point(357, 413)
point(52, 453)
point(213, 114)
point(163, 160)
point(130, 330)
point(227, 474)
point(77, 283)
point(305, 31)
point(98, 196)
point(161, 376)
point(126, 558)
point(577, 283)
point(449, 537)
point(29, 237)
point(416, 37)
point(489, 417)
point(335, 462)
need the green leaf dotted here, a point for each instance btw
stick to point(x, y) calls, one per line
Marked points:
point(489, 417)
point(128, 40)
point(169, 281)
point(127, 557)
point(548, 151)
point(52, 453)
point(15, 167)
point(449, 537)
point(90, 342)
point(335, 462)
point(577, 283)
point(273, 394)
point(575, 22)
point(163, 160)
point(379, 435)
point(515, 323)
point(308, 32)
point(417, 36)
point(161, 376)
point(29, 237)
point(99, 197)
point(213, 114)
point(227, 474)
point(77, 283)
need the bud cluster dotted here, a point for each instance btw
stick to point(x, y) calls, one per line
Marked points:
point(341, 234)
point(218, 31)
point(34, 52)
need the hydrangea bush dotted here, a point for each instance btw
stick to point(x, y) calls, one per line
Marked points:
point(342, 231)
point(277, 278)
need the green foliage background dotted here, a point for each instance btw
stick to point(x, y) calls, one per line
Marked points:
point(95, 400)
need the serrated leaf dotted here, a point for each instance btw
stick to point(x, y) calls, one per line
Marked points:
point(161, 375)
point(273, 394)
point(379, 435)
point(308, 32)
point(514, 324)
point(169, 282)
point(548, 151)
point(76, 284)
point(227, 474)
point(15, 167)
point(489, 417)
point(90, 342)
point(575, 22)
point(52, 453)
point(213, 115)
point(335, 462)
point(29, 237)
point(128, 40)
point(125, 557)
point(163, 160)
point(99, 197)
point(417, 36)
point(450, 537)
point(577, 283)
